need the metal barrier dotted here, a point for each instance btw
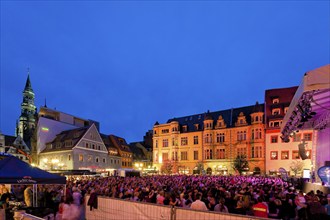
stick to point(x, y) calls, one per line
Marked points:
point(118, 209)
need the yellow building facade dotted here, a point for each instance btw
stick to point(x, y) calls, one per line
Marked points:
point(211, 140)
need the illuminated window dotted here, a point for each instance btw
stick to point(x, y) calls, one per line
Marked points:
point(256, 152)
point(89, 158)
point(220, 154)
point(195, 155)
point(184, 155)
point(276, 100)
point(276, 111)
point(81, 157)
point(195, 140)
point(69, 157)
point(165, 142)
point(297, 137)
point(295, 154)
point(184, 128)
point(96, 159)
point(308, 136)
point(284, 155)
point(184, 141)
point(273, 155)
point(273, 139)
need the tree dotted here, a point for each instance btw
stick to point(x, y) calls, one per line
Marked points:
point(199, 167)
point(167, 167)
point(240, 164)
point(296, 166)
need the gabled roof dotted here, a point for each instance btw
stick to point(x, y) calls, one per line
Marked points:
point(119, 143)
point(73, 135)
point(138, 153)
point(230, 117)
point(106, 140)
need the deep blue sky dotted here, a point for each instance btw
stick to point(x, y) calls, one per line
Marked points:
point(130, 64)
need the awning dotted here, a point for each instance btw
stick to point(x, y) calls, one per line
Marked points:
point(310, 106)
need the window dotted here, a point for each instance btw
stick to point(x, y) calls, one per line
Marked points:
point(87, 145)
point(165, 142)
point(273, 155)
point(256, 152)
point(174, 142)
point(89, 158)
point(308, 136)
point(258, 134)
point(69, 156)
point(295, 154)
point(184, 128)
point(208, 138)
point(284, 155)
point(208, 154)
point(276, 100)
point(165, 156)
point(220, 137)
point(273, 139)
point(184, 155)
point(297, 137)
point(164, 131)
point(96, 159)
point(241, 135)
point(156, 143)
point(111, 161)
point(276, 124)
point(81, 157)
point(196, 127)
point(184, 141)
point(195, 155)
point(276, 111)
point(195, 140)
point(104, 161)
point(220, 154)
point(241, 151)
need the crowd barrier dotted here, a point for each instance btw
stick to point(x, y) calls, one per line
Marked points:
point(117, 209)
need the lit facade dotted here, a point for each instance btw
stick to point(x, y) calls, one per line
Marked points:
point(212, 140)
point(280, 153)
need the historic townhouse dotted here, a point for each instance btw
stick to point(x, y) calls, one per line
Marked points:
point(123, 149)
point(80, 148)
point(284, 153)
point(212, 140)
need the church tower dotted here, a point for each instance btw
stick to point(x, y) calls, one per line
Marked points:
point(27, 121)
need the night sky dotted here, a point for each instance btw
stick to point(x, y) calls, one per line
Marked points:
point(130, 64)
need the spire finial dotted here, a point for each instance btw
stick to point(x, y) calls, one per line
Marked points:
point(45, 103)
point(28, 70)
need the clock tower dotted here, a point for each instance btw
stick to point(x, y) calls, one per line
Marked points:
point(27, 121)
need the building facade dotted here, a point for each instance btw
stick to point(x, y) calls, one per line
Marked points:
point(15, 146)
point(80, 148)
point(211, 140)
point(284, 153)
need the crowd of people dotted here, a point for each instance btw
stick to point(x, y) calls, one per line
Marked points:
point(268, 197)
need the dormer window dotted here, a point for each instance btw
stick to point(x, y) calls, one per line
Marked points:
point(196, 127)
point(276, 100)
point(184, 128)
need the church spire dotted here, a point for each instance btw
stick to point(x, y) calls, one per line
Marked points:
point(28, 86)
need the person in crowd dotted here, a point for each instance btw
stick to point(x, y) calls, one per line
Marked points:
point(300, 202)
point(260, 209)
point(28, 196)
point(198, 204)
point(160, 198)
point(70, 210)
point(92, 201)
point(220, 207)
point(4, 198)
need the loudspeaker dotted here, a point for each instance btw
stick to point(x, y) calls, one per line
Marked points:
point(302, 151)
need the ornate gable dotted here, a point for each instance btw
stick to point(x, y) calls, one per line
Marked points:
point(92, 140)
